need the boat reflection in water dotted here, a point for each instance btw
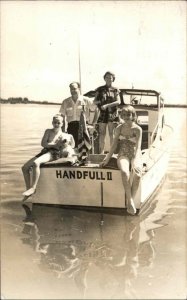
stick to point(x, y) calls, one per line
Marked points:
point(99, 252)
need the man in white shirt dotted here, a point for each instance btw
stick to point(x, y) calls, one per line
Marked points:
point(72, 107)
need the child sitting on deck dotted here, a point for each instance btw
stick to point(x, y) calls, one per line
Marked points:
point(56, 144)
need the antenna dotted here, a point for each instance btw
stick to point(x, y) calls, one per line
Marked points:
point(79, 62)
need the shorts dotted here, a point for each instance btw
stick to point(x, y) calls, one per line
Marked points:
point(56, 154)
point(106, 116)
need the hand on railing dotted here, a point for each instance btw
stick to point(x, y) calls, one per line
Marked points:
point(105, 161)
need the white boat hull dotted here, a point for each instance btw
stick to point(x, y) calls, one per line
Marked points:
point(86, 186)
point(99, 187)
point(151, 179)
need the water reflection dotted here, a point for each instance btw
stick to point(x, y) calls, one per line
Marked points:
point(104, 248)
point(81, 256)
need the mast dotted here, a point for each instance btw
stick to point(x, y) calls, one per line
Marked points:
point(131, 96)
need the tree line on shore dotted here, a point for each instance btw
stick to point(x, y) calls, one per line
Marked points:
point(20, 100)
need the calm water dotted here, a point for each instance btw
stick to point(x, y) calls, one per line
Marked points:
point(71, 254)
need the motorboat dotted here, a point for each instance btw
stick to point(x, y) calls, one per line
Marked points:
point(63, 182)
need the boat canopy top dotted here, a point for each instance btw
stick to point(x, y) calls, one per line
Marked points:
point(141, 97)
point(129, 92)
point(137, 97)
point(140, 92)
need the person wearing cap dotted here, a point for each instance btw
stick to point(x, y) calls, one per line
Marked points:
point(72, 107)
point(56, 144)
point(107, 100)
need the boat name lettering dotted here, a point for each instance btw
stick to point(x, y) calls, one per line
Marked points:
point(72, 174)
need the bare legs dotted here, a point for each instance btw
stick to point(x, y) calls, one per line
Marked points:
point(111, 127)
point(137, 171)
point(123, 164)
point(33, 163)
point(102, 134)
point(26, 170)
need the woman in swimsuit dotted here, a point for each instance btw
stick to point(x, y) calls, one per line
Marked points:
point(128, 136)
point(56, 144)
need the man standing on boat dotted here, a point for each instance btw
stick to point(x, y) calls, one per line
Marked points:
point(72, 107)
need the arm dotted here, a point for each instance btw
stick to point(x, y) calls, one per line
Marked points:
point(45, 143)
point(115, 103)
point(138, 140)
point(96, 116)
point(113, 146)
point(72, 142)
point(91, 106)
point(65, 123)
point(137, 158)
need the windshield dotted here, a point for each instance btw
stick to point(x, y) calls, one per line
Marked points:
point(139, 99)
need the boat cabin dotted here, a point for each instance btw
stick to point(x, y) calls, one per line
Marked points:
point(149, 107)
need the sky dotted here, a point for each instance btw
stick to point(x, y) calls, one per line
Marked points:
point(45, 45)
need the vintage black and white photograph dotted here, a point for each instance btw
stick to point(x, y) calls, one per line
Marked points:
point(93, 149)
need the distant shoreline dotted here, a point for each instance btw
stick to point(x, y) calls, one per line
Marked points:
point(2, 101)
point(39, 103)
point(55, 103)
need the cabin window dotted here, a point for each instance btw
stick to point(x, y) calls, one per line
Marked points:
point(144, 144)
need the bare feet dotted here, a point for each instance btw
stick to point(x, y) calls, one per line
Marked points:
point(25, 198)
point(131, 209)
point(29, 192)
